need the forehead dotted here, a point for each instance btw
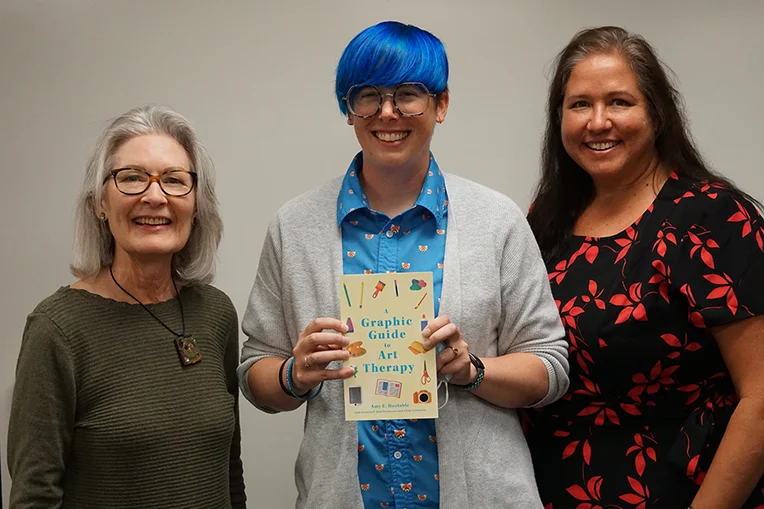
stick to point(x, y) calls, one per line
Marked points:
point(602, 73)
point(151, 151)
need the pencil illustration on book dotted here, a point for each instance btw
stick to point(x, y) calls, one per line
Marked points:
point(394, 373)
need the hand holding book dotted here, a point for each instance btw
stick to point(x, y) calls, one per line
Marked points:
point(319, 344)
point(454, 358)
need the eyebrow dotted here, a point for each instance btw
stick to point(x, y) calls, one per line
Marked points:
point(161, 172)
point(614, 93)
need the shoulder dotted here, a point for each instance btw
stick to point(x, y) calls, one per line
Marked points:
point(56, 316)
point(475, 203)
point(64, 302)
point(319, 202)
point(210, 298)
point(711, 206)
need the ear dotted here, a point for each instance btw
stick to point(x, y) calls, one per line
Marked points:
point(99, 209)
point(442, 100)
point(350, 119)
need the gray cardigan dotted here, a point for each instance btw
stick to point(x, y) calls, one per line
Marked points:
point(495, 289)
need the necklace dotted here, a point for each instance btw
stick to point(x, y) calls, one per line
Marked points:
point(186, 346)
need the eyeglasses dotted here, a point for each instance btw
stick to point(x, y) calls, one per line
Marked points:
point(410, 99)
point(173, 181)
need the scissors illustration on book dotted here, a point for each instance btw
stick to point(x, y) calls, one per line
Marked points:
point(425, 376)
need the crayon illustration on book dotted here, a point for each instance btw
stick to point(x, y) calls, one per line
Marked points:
point(393, 372)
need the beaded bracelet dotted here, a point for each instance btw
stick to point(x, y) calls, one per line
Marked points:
point(281, 378)
point(472, 386)
point(291, 389)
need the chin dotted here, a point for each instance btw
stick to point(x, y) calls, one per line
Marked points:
point(156, 251)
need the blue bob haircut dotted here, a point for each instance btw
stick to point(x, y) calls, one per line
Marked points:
point(390, 53)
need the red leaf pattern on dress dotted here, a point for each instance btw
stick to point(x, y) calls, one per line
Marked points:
point(723, 290)
point(632, 357)
point(632, 305)
point(742, 216)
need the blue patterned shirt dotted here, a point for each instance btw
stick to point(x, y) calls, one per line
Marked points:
point(397, 459)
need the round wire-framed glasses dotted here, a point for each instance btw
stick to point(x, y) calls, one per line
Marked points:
point(410, 99)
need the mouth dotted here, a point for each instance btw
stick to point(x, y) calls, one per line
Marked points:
point(601, 146)
point(391, 136)
point(151, 221)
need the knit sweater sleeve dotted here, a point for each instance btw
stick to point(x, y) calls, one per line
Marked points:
point(235, 469)
point(531, 321)
point(264, 320)
point(42, 416)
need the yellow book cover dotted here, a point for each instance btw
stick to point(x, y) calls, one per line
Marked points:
point(395, 378)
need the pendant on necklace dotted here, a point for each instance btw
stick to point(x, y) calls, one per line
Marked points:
point(188, 351)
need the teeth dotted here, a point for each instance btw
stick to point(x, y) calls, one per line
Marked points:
point(152, 220)
point(391, 136)
point(602, 145)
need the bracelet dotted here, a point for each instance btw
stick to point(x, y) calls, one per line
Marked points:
point(281, 378)
point(475, 360)
point(472, 386)
point(305, 396)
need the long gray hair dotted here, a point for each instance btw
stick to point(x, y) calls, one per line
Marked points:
point(94, 243)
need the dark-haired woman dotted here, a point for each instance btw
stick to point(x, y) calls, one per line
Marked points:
point(657, 266)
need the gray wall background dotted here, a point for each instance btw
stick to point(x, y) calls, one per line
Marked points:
point(256, 79)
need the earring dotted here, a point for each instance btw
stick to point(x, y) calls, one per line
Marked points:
point(102, 217)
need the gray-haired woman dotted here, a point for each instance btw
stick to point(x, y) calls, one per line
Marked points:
point(126, 392)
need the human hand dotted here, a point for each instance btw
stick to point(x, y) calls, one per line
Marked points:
point(319, 344)
point(454, 359)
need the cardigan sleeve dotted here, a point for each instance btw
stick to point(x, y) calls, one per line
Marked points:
point(42, 416)
point(531, 322)
point(264, 320)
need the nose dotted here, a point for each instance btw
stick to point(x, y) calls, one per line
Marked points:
point(599, 120)
point(154, 195)
point(388, 110)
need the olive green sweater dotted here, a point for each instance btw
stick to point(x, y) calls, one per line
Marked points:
point(105, 416)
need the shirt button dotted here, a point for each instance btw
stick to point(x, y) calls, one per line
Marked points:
point(397, 455)
point(389, 234)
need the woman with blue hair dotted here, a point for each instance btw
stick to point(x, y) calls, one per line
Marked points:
point(497, 330)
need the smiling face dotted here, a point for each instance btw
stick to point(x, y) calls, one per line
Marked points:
point(150, 225)
point(606, 128)
point(394, 143)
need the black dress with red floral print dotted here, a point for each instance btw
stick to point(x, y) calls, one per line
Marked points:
point(650, 395)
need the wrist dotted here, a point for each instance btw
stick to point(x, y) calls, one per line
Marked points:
point(292, 382)
point(477, 365)
point(297, 392)
point(466, 378)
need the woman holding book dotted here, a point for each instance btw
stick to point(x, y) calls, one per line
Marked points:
point(395, 211)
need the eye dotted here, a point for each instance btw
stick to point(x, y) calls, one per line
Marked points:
point(578, 105)
point(620, 102)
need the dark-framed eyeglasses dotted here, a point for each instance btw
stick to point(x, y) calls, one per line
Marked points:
point(410, 99)
point(172, 181)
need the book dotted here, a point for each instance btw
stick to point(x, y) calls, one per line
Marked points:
point(395, 377)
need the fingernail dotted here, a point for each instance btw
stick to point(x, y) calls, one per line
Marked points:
point(426, 345)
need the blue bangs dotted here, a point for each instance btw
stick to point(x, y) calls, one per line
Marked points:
point(390, 53)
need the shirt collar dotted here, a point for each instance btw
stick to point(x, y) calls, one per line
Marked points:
point(432, 195)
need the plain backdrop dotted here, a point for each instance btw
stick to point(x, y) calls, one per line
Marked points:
point(256, 79)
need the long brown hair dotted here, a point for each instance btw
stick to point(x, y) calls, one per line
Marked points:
point(565, 189)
